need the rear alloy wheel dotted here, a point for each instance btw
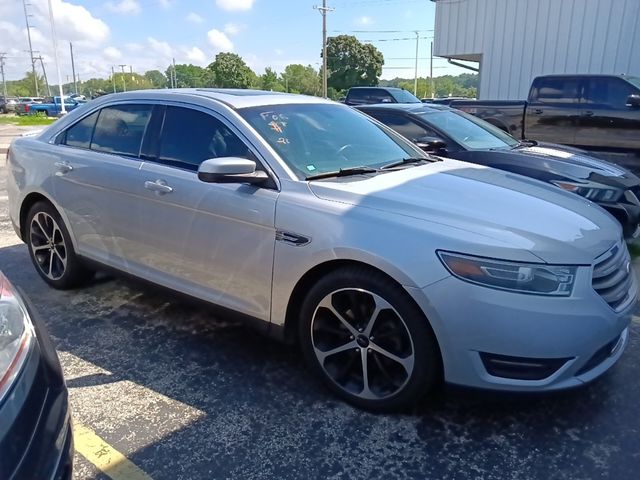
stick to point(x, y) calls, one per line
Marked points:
point(368, 341)
point(51, 250)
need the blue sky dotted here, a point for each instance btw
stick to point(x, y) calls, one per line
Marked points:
point(146, 34)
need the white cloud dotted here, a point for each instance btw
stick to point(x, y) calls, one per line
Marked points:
point(165, 3)
point(234, 28)
point(160, 47)
point(112, 54)
point(219, 40)
point(73, 22)
point(196, 56)
point(364, 21)
point(125, 7)
point(235, 4)
point(278, 52)
point(134, 47)
point(194, 18)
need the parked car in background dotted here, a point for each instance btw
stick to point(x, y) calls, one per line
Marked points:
point(24, 104)
point(35, 428)
point(52, 107)
point(392, 269)
point(595, 112)
point(369, 95)
point(454, 134)
point(8, 104)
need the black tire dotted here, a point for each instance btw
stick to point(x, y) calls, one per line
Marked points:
point(51, 250)
point(392, 385)
point(46, 113)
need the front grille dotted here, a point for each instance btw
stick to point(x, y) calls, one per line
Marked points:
point(613, 277)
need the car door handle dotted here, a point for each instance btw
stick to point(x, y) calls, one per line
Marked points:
point(159, 186)
point(588, 113)
point(538, 111)
point(63, 167)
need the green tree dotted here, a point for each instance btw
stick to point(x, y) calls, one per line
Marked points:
point(26, 86)
point(352, 63)
point(300, 79)
point(156, 78)
point(230, 71)
point(94, 86)
point(269, 81)
point(190, 76)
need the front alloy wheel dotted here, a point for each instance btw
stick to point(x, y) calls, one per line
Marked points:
point(368, 341)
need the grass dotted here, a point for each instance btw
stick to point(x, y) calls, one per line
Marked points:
point(25, 121)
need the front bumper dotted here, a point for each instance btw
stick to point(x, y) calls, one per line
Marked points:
point(35, 429)
point(576, 338)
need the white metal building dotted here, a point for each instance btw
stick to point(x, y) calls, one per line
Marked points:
point(517, 40)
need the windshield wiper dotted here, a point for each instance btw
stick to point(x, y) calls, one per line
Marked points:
point(343, 172)
point(406, 161)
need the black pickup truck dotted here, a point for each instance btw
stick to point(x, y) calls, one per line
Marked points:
point(594, 112)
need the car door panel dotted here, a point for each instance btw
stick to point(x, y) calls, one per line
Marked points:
point(214, 241)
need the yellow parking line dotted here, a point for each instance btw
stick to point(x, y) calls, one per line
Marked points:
point(106, 458)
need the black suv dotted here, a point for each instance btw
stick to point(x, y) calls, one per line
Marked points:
point(373, 95)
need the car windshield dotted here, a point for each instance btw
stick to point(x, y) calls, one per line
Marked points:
point(402, 96)
point(635, 81)
point(469, 131)
point(319, 138)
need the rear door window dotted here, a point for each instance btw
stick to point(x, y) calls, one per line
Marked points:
point(119, 129)
point(79, 135)
point(556, 90)
point(190, 136)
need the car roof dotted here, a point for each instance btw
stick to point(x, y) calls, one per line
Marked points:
point(415, 108)
point(233, 97)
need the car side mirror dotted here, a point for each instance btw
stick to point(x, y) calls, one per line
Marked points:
point(231, 170)
point(633, 101)
point(431, 144)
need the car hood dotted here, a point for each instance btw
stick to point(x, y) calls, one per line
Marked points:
point(575, 163)
point(525, 214)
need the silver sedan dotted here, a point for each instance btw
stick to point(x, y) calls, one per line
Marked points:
point(390, 268)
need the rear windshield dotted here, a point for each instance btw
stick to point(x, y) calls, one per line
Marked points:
point(402, 96)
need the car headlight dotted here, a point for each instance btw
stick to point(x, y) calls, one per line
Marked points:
point(591, 192)
point(16, 335)
point(531, 278)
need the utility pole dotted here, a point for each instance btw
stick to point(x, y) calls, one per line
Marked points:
point(55, 51)
point(415, 73)
point(323, 11)
point(124, 84)
point(174, 79)
point(4, 83)
point(44, 72)
point(73, 69)
point(433, 85)
point(33, 61)
point(113, 79)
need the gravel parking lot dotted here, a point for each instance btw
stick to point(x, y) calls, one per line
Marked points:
point(184, 394)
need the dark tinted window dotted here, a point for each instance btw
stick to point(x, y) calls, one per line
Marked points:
point(556, 90)
point(608, 91)
point(189, 137)
point(402, 96)
point(365, 96)
point(79, 135)
point(403, 125)
point(120, 129)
